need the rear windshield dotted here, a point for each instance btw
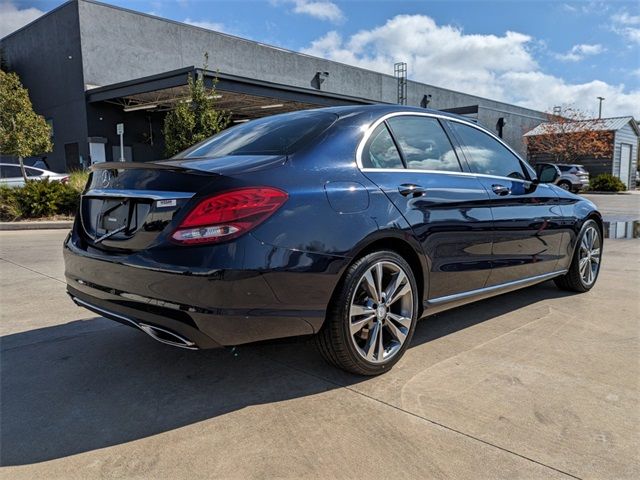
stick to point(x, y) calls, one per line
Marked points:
point(571, 168)
point(277, 135)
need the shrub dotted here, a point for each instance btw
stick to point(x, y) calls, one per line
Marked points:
point(606, 183)
point(9, 206)
point(42, 198)
point(78, 180)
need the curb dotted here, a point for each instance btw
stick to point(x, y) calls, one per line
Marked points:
point(606, 193)
point(51, 225)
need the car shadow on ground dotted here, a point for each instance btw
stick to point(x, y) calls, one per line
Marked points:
point(91, 384)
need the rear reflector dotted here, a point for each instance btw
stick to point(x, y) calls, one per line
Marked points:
point(228, 215)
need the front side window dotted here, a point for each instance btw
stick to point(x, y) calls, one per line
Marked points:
point(7, 171)
point(424, 144)
point(486, 155)
point(381, 151)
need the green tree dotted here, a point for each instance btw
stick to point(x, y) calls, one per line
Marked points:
point(23, 132)
point(193, 119)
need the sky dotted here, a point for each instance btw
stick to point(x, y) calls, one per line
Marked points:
point(536, 54)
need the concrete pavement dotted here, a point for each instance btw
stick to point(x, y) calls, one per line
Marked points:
point(532, 384)
point(617, 208)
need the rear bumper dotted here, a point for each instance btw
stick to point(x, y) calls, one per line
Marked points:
point(581, 184)
point(217, 296)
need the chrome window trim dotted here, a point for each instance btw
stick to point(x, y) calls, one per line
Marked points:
point(444, 172)
point(374, 125)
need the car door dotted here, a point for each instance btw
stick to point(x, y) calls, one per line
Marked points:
point(528, 219)
point(12, 176)
point(410, 157)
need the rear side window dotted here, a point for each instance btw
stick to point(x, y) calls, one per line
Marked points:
point(32, 172)
point(486, 155)
point(424, 144)
point(381, 151)
point(276, 135)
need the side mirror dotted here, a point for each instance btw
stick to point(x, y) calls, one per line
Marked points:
point(548, 174)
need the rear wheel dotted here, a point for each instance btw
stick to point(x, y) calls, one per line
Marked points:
point(372, 316)
point(585, 266)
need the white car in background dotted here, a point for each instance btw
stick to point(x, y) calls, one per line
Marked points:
point(11, 175)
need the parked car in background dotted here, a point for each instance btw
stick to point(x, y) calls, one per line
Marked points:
point(572, 178)
point(10, 175)
point(347, 223)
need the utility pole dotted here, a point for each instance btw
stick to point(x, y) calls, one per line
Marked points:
point(600, 107)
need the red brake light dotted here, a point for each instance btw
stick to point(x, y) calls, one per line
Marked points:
point(228, 215)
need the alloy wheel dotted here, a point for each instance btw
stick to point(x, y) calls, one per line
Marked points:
point(381, 312)
point(589, 262)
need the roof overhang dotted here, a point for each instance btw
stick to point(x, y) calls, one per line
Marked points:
point(237, 94)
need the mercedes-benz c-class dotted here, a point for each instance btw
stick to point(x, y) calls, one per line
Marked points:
point(347, 223)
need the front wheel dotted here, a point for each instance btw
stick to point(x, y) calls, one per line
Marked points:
point(585, 265)
point(565, 185)
point(372, 316)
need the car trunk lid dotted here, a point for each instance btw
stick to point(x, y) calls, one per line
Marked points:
point(127, 206)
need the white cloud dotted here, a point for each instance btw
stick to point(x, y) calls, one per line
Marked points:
point(627, 26)
point(542, 91)
point(495, 66)
point(626, 19)
point(215, 26)
point(578, 52)
point(321, 9)
point(12, 18)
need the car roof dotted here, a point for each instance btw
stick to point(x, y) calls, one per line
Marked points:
point(27, 166)
point(18, 165)
point(383, 109)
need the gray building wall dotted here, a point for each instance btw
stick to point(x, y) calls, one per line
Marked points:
point(47, 56)
point(626, 135)
point(84, 44)
point(136, 45)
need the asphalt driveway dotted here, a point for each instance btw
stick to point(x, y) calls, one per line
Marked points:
point(532, 384)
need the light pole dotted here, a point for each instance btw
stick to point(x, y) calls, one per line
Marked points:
point(600, 107)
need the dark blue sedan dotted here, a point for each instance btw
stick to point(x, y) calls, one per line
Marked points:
point(349, 224)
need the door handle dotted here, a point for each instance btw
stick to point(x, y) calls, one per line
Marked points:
point(500, 190)
point(412, 189)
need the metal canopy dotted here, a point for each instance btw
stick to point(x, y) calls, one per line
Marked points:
point(244, 98)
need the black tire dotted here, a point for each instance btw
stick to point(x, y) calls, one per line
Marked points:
point(565, 185)
point(335, 339)
point(573, 280)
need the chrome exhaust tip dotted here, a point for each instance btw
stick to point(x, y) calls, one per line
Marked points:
point(166, 336)
point(157, 333)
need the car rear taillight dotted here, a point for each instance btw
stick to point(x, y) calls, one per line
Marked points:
point(228, 215)
point(64, 180)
